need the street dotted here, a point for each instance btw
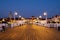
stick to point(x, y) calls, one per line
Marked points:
point(30, 32)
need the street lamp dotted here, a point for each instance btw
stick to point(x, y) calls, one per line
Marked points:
point(45, 14)
point(40, 16)
point(15, 14)
point(19, 17)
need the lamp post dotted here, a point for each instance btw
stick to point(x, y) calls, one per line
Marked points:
point(45, 14)
point(19, 16)
point(15, 14)
point(40, 16)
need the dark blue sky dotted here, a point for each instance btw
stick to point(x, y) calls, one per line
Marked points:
point(29, 8)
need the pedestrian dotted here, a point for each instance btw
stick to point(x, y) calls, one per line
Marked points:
point(3, 27)
point(3, 24)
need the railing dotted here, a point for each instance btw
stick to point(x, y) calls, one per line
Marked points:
point(49, 25)
point(11, 25)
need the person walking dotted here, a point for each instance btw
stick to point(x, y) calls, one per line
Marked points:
point(3, 26)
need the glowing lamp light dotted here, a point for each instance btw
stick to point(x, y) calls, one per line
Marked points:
point(19, 16)
point(40, 16)
point(16, 13)
point(45, 13)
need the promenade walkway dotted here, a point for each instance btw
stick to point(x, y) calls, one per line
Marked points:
point(30, 32)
